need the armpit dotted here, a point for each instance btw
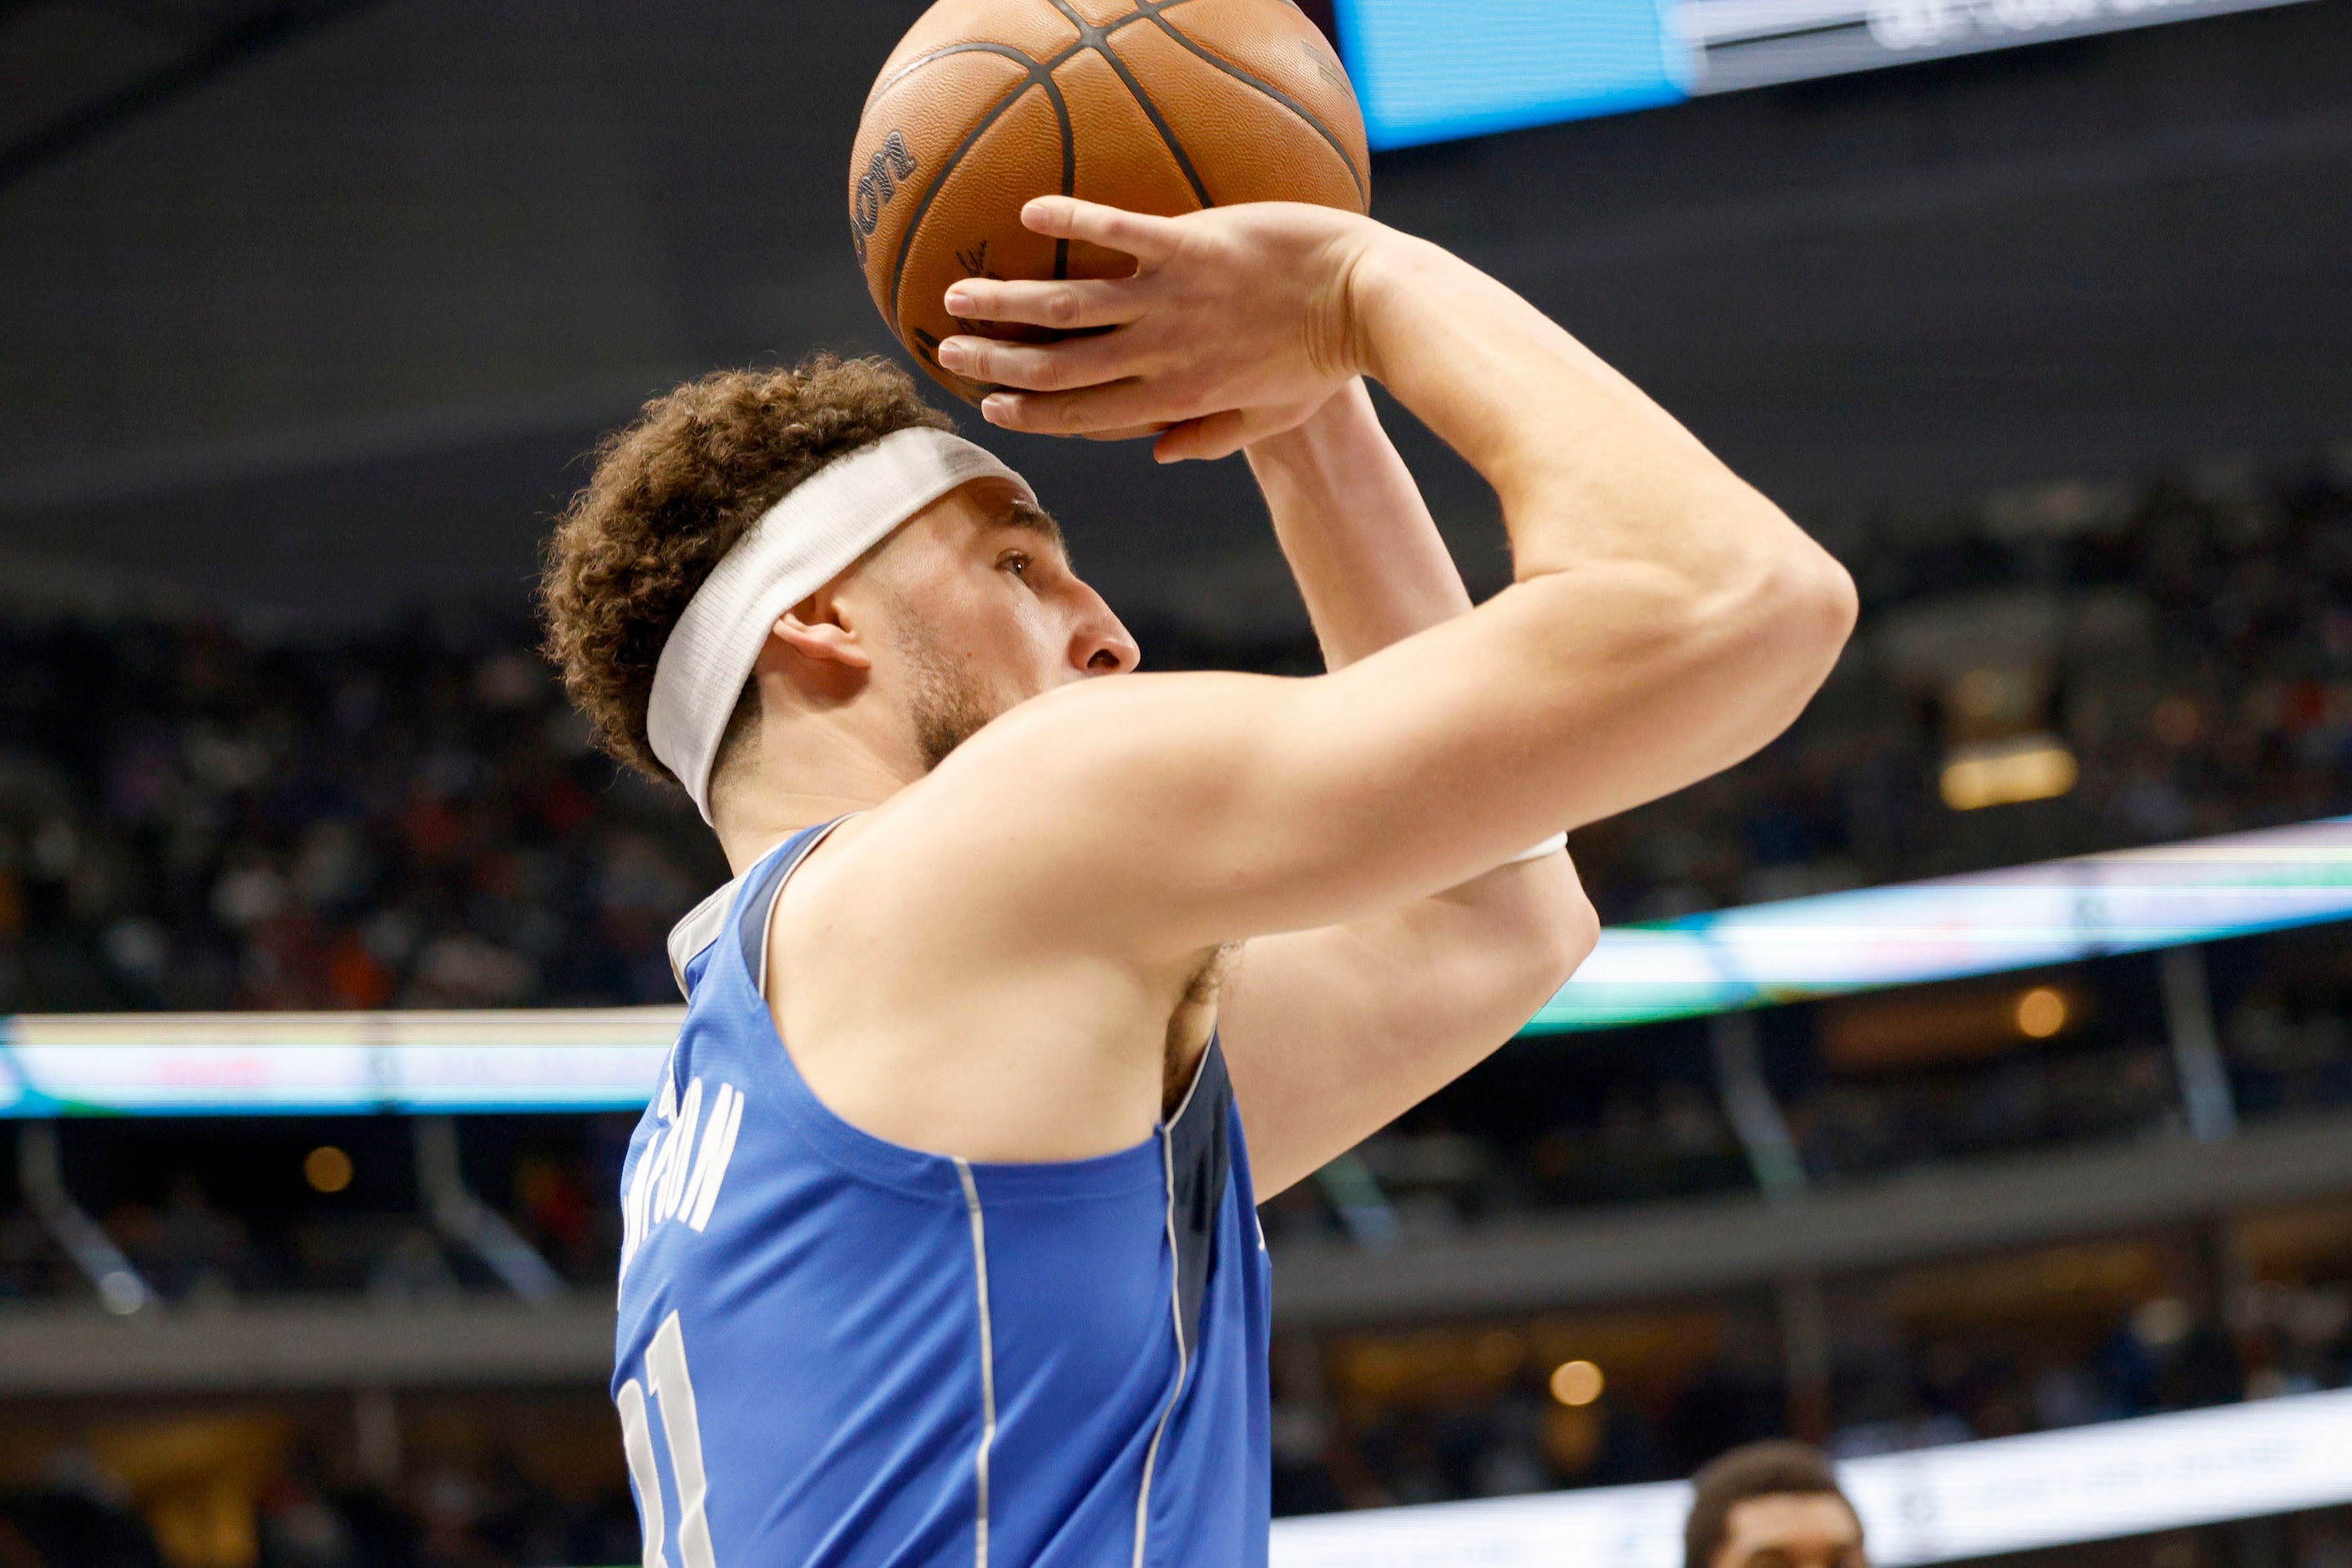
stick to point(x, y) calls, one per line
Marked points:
point(1190, 1026)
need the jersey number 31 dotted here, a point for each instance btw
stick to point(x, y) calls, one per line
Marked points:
point(666, 1380)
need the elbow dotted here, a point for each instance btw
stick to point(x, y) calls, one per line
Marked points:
point(1557, 945)
point(1804, 604)
point(1581, 935)
point(1820, 603)
point(1831, 604)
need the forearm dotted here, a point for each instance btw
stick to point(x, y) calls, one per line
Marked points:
point(1668, 620)
point(1589, 471)
point(1367, 555)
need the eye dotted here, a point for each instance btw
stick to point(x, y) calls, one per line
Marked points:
point(1014, 562)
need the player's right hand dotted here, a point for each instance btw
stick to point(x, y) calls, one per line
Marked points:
point(1238, 324)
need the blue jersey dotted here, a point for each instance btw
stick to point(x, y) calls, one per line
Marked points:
point(834, 1350)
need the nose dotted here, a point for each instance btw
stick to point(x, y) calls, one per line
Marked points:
point(1099, 644)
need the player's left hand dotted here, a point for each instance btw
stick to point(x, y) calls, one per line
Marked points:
point(1236, 326)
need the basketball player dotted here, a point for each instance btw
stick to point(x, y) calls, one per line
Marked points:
point(1772, 1505)
point(940, 1245)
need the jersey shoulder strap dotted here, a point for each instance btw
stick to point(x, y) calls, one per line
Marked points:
point(691, 940)
point(692, 937)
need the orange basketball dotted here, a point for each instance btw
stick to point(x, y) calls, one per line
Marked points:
point(1157, 106)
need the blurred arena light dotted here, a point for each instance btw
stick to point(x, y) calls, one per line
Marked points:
point(249, 1064)
point(327, 1169)
point(1576, 1384)
point(2008, 773)
point(1931, 1505)
point(2042, 1012)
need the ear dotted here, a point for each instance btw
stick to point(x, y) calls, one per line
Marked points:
point(817, 629)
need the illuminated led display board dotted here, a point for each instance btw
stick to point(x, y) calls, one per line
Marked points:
point(1960, 1502)
point(262, 1064)
point(1431, 70)
point(2059, 911)
point(291, 1064)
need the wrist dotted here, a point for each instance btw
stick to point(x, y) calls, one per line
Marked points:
point(1378, 274)
point(1322, 437)
point(1337, 278)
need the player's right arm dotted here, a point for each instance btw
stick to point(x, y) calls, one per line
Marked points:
point(1666, 621)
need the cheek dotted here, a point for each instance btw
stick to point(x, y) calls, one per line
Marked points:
point(1024, 637)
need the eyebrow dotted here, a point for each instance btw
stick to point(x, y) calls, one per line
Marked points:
point(1022, 514)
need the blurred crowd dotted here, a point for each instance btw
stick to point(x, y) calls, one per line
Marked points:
point(2188, 640)
point(190, 819)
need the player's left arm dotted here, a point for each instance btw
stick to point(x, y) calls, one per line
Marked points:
point(1331, 1034)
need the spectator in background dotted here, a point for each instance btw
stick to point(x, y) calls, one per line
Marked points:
point(1772, 1505)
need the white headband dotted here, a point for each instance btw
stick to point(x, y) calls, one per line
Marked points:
point(800, 543)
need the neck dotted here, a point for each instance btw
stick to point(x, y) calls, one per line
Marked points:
point(806, 770)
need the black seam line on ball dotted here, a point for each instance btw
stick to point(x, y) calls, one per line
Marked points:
point(1096, 38)
point(1039, 75)
point(1144, 11)
point(1149, 8)
point(976, 46)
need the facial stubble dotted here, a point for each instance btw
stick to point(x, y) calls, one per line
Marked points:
point(946, 703)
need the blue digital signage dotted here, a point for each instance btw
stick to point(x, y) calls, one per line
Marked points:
point(1429, 71)
point(1432, 70)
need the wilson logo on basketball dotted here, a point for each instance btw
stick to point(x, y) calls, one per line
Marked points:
point(891, 162)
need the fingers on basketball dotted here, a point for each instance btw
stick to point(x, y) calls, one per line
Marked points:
point(1088, 362)
point(1062, 307)
point(987, 104)
point(1149, 238)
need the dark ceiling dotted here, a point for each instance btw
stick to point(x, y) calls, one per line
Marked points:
point(307, 311)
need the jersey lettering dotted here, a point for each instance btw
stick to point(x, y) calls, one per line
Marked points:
point(673, 1390)
point(675, 1178)
point(710, 1166)
point(637, 1443)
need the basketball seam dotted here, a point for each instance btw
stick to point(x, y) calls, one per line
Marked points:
point(1099, 41)
point(1139, 15)
point(970, 46)
point(1040, 76)
point(1146, 8)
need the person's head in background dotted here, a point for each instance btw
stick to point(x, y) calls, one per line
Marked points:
point(1772, 1505)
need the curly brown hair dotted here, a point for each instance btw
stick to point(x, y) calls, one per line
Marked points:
point(670, 495)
